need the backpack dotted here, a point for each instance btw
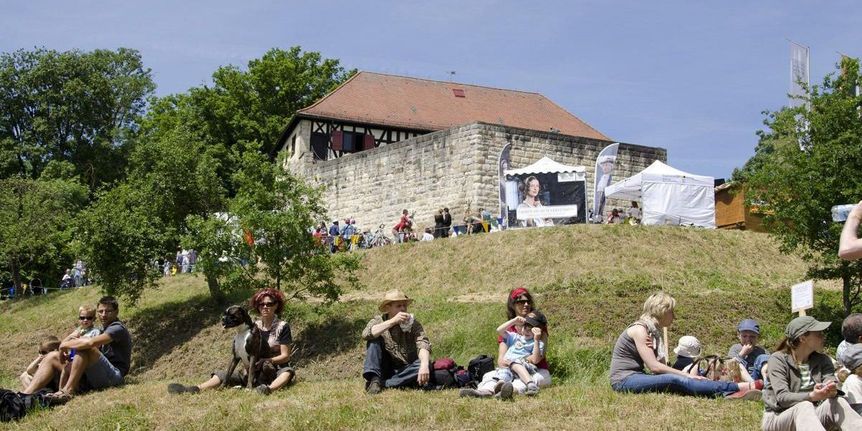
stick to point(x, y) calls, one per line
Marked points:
point(12, 406)
point(480, 365)
point(718, 368)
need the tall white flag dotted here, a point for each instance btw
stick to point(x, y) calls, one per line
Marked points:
point(798, 72)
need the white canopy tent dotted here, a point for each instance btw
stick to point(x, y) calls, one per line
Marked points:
point(546, 165)
point(669, 196)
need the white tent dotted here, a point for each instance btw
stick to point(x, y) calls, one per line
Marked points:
point(669, 196)
point(546, 165)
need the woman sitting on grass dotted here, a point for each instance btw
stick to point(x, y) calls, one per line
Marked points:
point(269, 303)
point(518, 304)
point(802, 390)
point(643, 344)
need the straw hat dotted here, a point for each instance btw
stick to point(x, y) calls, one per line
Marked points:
point(393, 296)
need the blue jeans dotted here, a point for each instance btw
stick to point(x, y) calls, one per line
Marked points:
point(639, 383)
point(378, 364)
point(759, 362)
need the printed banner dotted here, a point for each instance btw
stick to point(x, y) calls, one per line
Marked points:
point(504, 166)
point(798, 73)
point(545, 199)
point(605, 163)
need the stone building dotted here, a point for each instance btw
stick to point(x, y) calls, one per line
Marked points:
point(382, 143)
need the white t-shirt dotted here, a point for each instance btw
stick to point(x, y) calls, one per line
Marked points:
point(634, 212)
point(427, 237)
point(853, 388)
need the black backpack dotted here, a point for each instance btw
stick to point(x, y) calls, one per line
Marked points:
point(480, 365)
point(12, 406)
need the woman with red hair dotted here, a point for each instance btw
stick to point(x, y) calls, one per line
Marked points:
point(519, 303)
point(269, 303)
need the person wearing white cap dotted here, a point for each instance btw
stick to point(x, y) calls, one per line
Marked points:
point(686, 350)
point(802, 391)
point(398, 352)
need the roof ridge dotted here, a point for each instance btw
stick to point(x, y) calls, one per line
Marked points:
point(449, 82)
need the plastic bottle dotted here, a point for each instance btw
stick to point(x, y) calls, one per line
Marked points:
point(840, 212)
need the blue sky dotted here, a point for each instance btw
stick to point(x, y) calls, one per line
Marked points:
point(680, 75)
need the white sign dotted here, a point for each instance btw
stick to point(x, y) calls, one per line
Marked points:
point(802, 296)
point(554, 211)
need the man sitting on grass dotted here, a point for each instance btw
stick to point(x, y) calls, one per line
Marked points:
point(398, 351)
point(98, 362)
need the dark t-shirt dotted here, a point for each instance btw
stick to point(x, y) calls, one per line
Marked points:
point(682, 362)
point(119, 351)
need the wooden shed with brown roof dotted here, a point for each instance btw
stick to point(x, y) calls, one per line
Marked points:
point(373, 109)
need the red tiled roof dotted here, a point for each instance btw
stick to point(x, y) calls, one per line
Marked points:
point(422, 104)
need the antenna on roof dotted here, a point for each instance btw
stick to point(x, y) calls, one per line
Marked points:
point(451, 74)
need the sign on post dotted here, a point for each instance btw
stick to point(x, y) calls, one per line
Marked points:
point(802, 297)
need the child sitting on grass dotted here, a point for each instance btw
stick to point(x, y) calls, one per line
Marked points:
point(525, 349)
point(85, 329)
point(852, 359)
point(48, 344)
point(686, 351)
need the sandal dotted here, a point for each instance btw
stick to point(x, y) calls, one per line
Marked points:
point(59, 397)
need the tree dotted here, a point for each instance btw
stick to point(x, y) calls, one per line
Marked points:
point(808, 160)
point(265, 240)
point(255, 105)
point(36, 224)
point(132, 225)
point(79, 107)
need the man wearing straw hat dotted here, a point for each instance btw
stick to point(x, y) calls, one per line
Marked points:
point(398, 351)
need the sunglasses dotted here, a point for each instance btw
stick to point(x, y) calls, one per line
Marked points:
point(86, 317)
point(522, 301)
point(268, 304)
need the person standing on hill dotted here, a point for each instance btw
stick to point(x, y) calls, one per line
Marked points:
point(398, 353)
point(850, 246)
point(438, 224)
point(447, 223)
point(100, 362)
point(642, 345)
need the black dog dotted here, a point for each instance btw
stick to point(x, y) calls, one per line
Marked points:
point(248, 345)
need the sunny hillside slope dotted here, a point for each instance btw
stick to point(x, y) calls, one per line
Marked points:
point(589, 280)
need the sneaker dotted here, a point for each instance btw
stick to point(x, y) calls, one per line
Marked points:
point(472, 393)
point(506, 391)
point(263, 389)
point(373, 386)
point(746, 394)
point(176, 388)
point(532, 389)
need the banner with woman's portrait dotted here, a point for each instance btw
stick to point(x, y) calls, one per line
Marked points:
point(545, 198)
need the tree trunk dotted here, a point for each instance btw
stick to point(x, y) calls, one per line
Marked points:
point(215, 290)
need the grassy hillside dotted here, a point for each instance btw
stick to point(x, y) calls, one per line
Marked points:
point(589, 280)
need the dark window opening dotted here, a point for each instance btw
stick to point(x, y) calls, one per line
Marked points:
point(320, 145)
point(458, 92)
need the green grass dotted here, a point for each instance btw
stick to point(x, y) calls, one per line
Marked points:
point(589, 280)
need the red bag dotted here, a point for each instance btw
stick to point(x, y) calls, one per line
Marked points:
point(444, 364)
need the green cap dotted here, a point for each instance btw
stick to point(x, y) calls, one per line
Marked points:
point(802, 324)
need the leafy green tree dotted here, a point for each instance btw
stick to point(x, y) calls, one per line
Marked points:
point(255, 105)
point(808, 160)
point(79, 107)
point(36, 225)
point(265, 239)
point(130, 226)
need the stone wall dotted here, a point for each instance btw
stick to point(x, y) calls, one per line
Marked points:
point(452, 168)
